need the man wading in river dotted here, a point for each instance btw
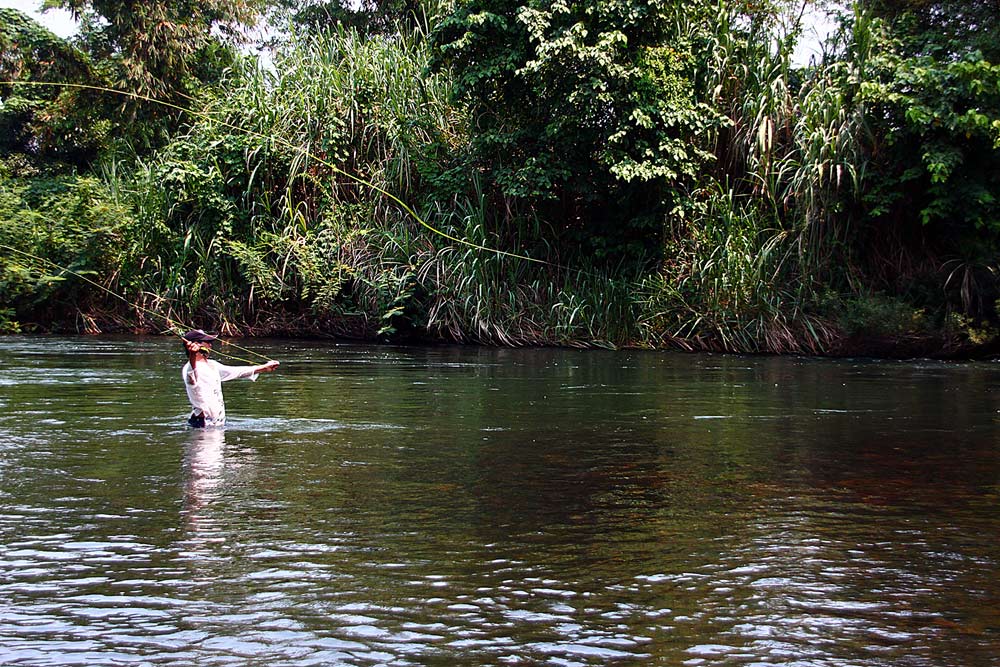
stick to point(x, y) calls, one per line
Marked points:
point(203, 378)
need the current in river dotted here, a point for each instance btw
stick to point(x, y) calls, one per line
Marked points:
point(371, 505)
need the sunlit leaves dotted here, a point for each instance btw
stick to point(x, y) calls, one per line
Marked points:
point(945, 116)
point(588, 111)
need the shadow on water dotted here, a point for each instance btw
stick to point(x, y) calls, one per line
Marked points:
point(455, 506)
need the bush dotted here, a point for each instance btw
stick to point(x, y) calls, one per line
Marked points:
point(58, 233)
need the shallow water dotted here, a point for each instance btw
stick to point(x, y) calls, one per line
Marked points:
point(463, 506)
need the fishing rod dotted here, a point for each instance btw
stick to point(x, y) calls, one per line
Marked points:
point(172, 324)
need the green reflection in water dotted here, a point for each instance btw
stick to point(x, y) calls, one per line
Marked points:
point(372, 505)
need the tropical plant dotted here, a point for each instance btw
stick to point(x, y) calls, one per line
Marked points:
point(56, 123)
point(59, 238)
point(587, 113)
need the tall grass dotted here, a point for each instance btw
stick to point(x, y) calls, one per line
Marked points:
point(751, 269)
point(726, 286)
point(485, 297)
point(270, 212)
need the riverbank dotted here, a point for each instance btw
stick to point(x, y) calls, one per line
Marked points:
point(952, 344)
point(369, 188)
point(82, 258)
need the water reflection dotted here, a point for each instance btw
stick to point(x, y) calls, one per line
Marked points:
point(481, 507)
point(213, 473)
point(204, 459)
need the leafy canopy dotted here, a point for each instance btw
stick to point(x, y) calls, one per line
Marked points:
point(160, 44)
point(589, 110)
point(46, 125)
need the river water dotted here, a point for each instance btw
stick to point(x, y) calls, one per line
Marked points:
point(462, 506)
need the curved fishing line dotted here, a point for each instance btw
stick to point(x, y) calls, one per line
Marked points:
point(174, 326)
point(288, 144)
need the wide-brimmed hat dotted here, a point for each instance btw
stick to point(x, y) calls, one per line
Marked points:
point(199, 336)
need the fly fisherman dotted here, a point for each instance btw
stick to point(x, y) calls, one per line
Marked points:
point(203, 378)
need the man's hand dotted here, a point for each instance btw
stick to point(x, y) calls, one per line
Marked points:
point(268, 367)
point(192, 347)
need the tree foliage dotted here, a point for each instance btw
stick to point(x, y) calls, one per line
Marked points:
point(159, 50)
point(47, 124)
point(930, 163)
point(938, 140)
point(368, 17)
point(749, 203)
point(588, 110)
point(159, 44)
point(942, 28)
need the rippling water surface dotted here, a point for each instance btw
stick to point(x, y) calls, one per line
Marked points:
point(450, 506)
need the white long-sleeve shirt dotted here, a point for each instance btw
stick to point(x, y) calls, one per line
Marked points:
point(204, 387)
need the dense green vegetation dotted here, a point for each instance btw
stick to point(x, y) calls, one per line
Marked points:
point(617, 172)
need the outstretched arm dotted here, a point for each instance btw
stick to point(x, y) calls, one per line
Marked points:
point(227, 373)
